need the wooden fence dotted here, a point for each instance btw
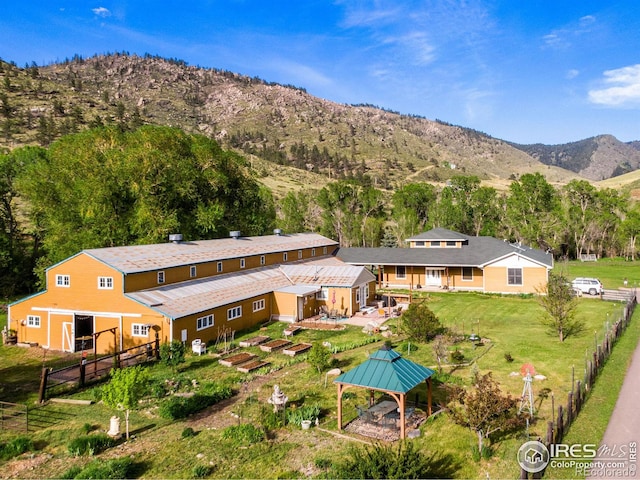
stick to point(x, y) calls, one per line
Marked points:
point(567, 412)
point(14, 416)
point(89, 370)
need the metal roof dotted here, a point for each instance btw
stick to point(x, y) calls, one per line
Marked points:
point(388, 371)
point(200, 295)
point(143, 258)
point(475, 252)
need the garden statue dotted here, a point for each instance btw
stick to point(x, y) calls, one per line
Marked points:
point(278, 399)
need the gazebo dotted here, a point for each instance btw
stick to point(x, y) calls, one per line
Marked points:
point(386, 371)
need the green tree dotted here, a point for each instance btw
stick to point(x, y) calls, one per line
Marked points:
point(559, 303)
point(319, 357)
point(172, 353)
point(420, 323)
point(125, 389)
point(484, 409)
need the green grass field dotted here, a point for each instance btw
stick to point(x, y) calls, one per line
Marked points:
point(510, 324)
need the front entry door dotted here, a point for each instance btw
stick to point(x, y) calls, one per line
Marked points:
point(83, 332)
point(433, 277)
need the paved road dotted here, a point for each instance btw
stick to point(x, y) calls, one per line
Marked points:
point(623, 431)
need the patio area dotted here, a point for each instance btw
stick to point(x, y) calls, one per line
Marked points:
point(382, 422)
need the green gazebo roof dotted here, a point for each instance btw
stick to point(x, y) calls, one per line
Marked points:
point(386, 370)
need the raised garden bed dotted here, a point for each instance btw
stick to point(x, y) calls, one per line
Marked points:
point(296, 349)
point(289, 331)
point(254, 341)
point(237, 359)
point(250, 366)
point(274, 345)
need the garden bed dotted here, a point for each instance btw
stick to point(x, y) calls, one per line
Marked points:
point(237, 359)
point(250, 366)
point(254, 341)
point(274, 345)
point(296, 349)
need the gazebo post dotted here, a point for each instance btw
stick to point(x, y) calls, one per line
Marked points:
point(339, 406)
point(403, 417)
point(371, 398)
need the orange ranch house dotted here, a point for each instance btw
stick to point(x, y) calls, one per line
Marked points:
point(187, 290)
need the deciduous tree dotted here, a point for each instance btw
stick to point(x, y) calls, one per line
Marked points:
point(557, 298)
point(125, 389)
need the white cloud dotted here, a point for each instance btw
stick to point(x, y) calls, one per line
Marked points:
point(623, 89)
point(572, 73)
point(564, 37)
point(101, 12)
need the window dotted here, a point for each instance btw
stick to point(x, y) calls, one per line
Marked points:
point(63, 280)
point(33, 321)
point(258, 305)
point(139, 330)
point(451, 243)
point(323, 294)
point(299, 254)
point(357, 295)
point(262, 260)
point(219, 267)
point(366, 291)
point(401, 272)
point(204, 322)
point(105, 283)
point(233, 313)
point(160, 277)
point(242, 263)
point(313, 252)
point(324, 250)
point(419, 243)
point(467, 273)
point(514, 276)
point(285, 256)
point(193, 272)
point(435, 243)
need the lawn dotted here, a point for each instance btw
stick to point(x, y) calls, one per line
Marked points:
point(508, 324)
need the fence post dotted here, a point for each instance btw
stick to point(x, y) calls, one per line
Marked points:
point(560, 425)
point(570, 408)
point(43, 384)
point(157, 346)
point(83, 367)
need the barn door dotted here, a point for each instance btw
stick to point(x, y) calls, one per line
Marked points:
point(67, 337)
point(83, 332)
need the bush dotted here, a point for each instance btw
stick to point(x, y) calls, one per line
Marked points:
point(270, 420)
point(201, 471)
point(457, 356)
point(89, 444)
point(245, 433)
point(188, 432)
point(175, 408)
point(508, 357)
point(116, 468)
point(15, 447)
point(306, 412)
point(420, 323)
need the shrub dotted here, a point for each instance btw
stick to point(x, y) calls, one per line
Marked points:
point(87, 428)
point(270, 420)
point(175, 408)
point(15, 447)
point(116, 468)
point(201, 471)
point(457, 356)
point(508, 357)
point(306, 412)
point(322, 463)
point(188, 432)
point(420, 323)
point(89, 444)
point(245, 433)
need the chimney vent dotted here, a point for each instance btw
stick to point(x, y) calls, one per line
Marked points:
point(277, 231)
point(235, 234)
point(175, 237)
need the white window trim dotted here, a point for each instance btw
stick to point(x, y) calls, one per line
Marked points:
point(142, 330)
point(63, 280)
point(285, 256)
point(219, 267)
point(259, 305)
point(161, 277)
point(323, 294)
point(324, 250)
point(299, 254)
point(205, 322)
point(105, 283)
point(234, 312)
point(33, 321)
point(313, 252)
point(521, 277)
point(193, 271)
point(404, 274)
point(242, 263)
point(263, 260)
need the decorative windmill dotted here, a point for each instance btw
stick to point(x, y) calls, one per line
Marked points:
point(526, 401)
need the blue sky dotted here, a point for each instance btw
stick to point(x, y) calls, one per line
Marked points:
point(526, 71)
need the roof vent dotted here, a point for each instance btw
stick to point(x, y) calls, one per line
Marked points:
point(277, 231)
point(235, 234)
point(175, 237)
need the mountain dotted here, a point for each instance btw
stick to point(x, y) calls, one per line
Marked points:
point(595, 158)
point(281, 128)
